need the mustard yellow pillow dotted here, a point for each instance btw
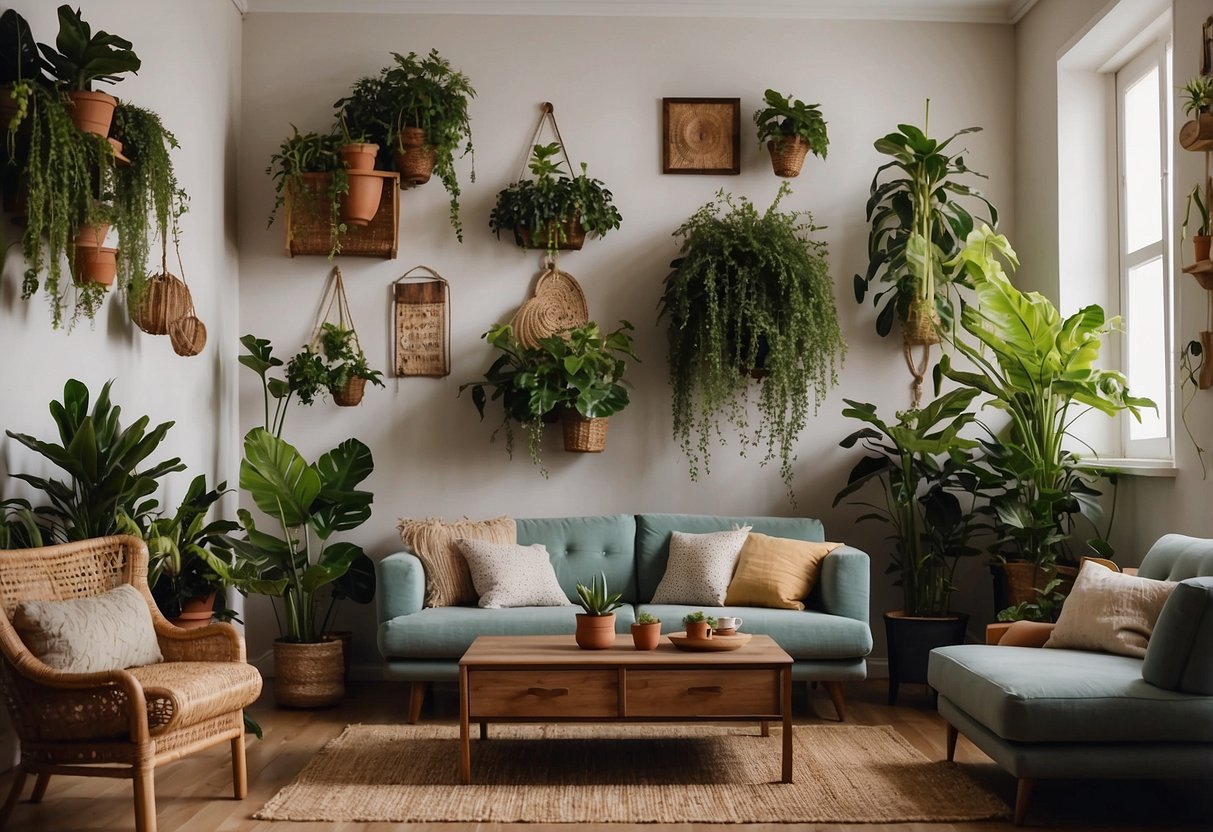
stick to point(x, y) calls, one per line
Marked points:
point(776, 572)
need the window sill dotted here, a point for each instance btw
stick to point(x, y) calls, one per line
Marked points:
point(1134, 467)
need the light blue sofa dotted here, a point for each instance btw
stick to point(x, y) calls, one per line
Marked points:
point(829, 640)
point(1048, 713)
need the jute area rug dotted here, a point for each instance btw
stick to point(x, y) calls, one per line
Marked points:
point(631, 774)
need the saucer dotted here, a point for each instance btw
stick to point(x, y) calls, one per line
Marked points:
point(725, 632)
point(716, 644)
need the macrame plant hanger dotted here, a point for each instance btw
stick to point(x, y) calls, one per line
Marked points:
point(422, 324)
point(547, 115)
point(334, 297)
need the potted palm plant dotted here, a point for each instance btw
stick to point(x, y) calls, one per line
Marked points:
point(1038, 368)
point(920, 463)
point(790, 129)
point(777, 315)
point(596, 626)
point(554, 210)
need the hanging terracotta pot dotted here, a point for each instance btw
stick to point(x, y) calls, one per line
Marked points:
point(416, 158)
point(96, 264)
point(787, 155)
point(92, 236)
point(361, 203)
point(92, 112)
point(358, 155)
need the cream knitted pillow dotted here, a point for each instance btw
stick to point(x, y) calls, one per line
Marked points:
point(1110, 611)
point(434, 542)
point(89, 635)
point(700, 567)
point(509, 575)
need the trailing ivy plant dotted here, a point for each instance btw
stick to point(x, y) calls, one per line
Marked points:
point(750, 290)
point(304, 153)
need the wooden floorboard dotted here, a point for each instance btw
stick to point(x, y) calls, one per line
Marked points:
point(193, 795)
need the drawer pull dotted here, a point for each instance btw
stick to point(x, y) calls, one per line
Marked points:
point(706, 689)
point(547, 693)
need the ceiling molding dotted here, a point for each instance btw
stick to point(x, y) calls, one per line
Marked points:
point(241, 6)
point(938, 11)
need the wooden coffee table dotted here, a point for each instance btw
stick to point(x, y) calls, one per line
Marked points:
point(550, 679)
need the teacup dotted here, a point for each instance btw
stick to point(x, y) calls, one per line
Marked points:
point(726, 625)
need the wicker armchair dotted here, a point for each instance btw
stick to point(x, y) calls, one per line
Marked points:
point(120, 723)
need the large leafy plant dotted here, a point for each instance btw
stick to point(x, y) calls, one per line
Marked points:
point(921, 463)
point(108, 491)
point(543, 205)
point(19, 57)
point(750, 290)
point(786, 116)
point(81, 57)
point(187, 554)
point(1041, 371)
point(918, 223)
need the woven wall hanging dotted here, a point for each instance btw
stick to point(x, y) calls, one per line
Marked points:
point(556, 306)
point(423, 324)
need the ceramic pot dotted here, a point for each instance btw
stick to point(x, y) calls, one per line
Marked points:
point(595, 632)
point(1200, 247)
point(646, 636)
point(92, 112)
point(699, 630)
point(96, 264)
point(361, 203)
point(196, 612)
point(911, 640)
point(358, 155)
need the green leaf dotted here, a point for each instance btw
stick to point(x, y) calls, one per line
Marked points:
point(280, 482)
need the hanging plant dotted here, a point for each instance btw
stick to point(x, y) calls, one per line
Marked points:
point(750, 290)
point(304, 153)
point(791, 129)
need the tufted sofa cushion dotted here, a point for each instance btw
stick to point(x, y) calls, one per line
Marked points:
point(582, 547)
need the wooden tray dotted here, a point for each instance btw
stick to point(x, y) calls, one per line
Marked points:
point(715, 644)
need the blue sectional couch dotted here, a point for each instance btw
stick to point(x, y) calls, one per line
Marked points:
point(1049, 713)
point(829, 640)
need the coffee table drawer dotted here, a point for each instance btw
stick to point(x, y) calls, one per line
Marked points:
point(543, 693)
point(702, 692)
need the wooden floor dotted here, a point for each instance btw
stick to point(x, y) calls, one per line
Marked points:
point(193, 795)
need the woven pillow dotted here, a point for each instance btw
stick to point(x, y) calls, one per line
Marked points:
point(700, 567)
point(1110, 611)
point(509, 575)
point(776, 572)
point(434, 542)
point(90, 635)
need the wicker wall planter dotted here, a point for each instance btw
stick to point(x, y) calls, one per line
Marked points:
point(307, 221)
point(308, 675)
point(787, 155)
point(574, 236)
point(350, 394)
point(583, 435)
point(416, 159)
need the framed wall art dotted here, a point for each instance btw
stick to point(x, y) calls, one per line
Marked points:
point(701, 135)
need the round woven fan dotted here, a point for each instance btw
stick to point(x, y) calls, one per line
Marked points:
point(557, 305)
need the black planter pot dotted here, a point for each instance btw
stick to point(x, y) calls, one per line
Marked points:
point(911, 641)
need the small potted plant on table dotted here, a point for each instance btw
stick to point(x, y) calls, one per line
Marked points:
point(646, 632)
point(698, 625)
point(596, 626)
point(790, 129)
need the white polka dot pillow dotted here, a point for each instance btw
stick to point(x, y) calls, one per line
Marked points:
point(509, 575)
point(700, 567)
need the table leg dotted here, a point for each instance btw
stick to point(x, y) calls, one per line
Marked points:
point(787, 724)
point(484, 730)
point(465, 729)
point(766, 728)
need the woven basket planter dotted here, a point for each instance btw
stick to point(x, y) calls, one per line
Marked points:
point(307, 220)
point(583, 435)
point(164, 301)
point(416, 160)
point(187, 335)
point(921, 325)
point(787, 155)
point(308, 675)
point(574, 235)
point(349, 394)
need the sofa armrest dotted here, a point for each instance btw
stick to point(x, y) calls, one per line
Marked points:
point(401, 586)
point(845, 583)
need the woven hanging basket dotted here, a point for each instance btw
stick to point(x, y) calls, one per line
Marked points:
point(349, 394)
point(583, 435)
point(165, 300)
point(573, 240)
point(188, 335)
point(558, 305)
point(787, 155)
point(416, 160)
point(921, 327)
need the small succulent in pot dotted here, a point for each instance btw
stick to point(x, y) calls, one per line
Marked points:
point(698, 625)
point(646, 632)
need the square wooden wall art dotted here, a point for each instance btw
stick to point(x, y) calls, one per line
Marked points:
point(701, 135)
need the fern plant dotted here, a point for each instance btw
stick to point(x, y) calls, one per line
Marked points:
point(750, 290)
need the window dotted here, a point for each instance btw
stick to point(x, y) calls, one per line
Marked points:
point(1143, 117)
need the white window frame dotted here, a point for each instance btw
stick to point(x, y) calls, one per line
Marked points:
point(1155, 54)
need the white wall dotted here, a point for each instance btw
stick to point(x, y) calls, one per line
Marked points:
point(191, 77)
point(606, 78)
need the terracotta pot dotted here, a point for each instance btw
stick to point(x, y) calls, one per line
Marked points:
point(1200, 247)
point(415, 160)
point(359, 206)
point(358, 155)
point(595, 632)
point(196, 612)
point(95, 264)
point(699, 630)
point(350, 394)
point(787, 155)
point(92, 112)
point(308, 675)
point(574, 235)
point(646, 636)
point(93, 236)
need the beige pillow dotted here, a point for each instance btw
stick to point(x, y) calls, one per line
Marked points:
point(509, 575)
point(89, 635)
point(776, 572)
point(1110, 611)
point(434, 542)
point(700, 567)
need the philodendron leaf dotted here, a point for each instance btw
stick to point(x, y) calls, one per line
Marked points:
point(281, 483)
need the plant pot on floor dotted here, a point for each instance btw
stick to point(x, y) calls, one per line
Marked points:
point(574, 235)
point(196, 612)
point(95, 264)
point(349, 394)
point(646, 636)
point(358, 155)
point(308, 675)
point(415, 159)
point(346, 639)
point(360, 204)
point(595, 632)
point(583, 435)
point(911, 640)
point(92, 112)
point(787, 155)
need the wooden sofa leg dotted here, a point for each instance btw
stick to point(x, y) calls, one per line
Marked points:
point(145, 798)
point(1023, 796)
point(40, 787)
point(416, 700)
point(953, 733)
point(840, 703)
point(14, 794)
point(239, 769)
